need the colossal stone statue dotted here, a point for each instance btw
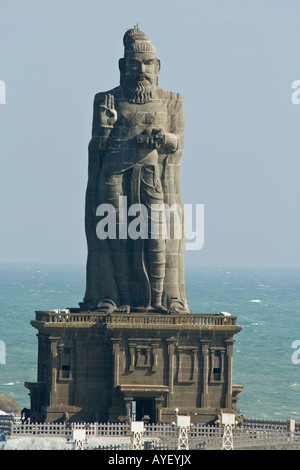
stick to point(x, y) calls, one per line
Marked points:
point(134, 170)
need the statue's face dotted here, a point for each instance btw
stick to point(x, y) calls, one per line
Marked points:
point(140, 67)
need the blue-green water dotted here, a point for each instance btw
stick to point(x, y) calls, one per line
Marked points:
point(262, 351)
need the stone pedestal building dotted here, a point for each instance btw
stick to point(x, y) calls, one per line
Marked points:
point(94, 367)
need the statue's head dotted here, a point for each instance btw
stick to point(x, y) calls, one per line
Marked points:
point(139, 67)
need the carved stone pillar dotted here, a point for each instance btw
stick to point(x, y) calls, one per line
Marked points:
point(128, 401)
point(194, 363)
point(222, 364)
point(116, 354)
point(205, 371)
point(179, 364)
point(158, 408)
point(60, 349)
point(131, 357)
point(78, 365)
point(171, 347)
point(229, 356)
point(53, 367)
point(212, 361)
point(155, 357)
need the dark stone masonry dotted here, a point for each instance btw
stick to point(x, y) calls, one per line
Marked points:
point(92, 366)
point(133, 348)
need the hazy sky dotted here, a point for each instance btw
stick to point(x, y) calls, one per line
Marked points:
point(234, 63)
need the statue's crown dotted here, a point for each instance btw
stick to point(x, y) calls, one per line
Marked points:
point(135, 40)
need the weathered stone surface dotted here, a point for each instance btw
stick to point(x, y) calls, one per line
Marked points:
point(93, 366)
point(135, 152)
point(134, 341)
point(8, 404)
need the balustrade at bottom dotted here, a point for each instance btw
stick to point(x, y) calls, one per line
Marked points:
point(204, 435)
point(38, 429)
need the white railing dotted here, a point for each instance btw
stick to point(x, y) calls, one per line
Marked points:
point(261, 434)
point(48, 429)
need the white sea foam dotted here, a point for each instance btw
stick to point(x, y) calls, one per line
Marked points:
point(59, 443)
point(255, 300)
point(36, 443)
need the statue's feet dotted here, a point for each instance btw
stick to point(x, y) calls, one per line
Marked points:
point(158, 308)
point(106, 306)
point(123, 309)
point(177, 306)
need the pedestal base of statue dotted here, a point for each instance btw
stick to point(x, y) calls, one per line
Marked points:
point(101, 367)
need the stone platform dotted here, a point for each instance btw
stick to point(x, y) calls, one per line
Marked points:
point(103, 367)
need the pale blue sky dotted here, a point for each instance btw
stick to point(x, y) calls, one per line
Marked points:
point(233, 62)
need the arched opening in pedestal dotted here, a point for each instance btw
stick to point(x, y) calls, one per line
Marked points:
point(145, 409)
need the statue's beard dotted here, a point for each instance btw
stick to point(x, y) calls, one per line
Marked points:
point(138, 91)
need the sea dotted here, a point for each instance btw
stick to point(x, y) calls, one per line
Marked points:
point(266, 353)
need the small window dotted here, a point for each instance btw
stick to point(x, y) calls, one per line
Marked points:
point(217, 374)
point(144, 357)
point(65, 372)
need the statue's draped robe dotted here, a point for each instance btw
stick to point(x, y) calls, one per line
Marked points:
point(115, 158)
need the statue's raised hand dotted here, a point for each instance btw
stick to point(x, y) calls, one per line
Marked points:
point(108, 113)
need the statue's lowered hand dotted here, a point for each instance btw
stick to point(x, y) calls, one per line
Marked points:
point(108, 113)
point(151, 138)
point(170, 142)
point(155, 138)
